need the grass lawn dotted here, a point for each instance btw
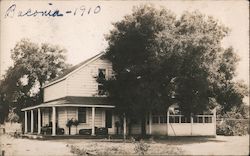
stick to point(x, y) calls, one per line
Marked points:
point(221, 145)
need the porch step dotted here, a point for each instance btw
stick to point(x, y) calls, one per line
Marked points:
point(48, 137)
point(32, 136)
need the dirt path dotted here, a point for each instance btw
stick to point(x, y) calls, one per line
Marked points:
point(26, 147)
point(222, 145)
point(237, 145)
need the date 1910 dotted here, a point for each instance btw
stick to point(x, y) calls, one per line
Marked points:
point(82, 10)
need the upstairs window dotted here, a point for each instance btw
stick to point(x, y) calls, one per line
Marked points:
point(101, 78)
point(82, 114)
point(102, 73)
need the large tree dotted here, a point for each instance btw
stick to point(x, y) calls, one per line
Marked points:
point(159, 59)
point(33, 65)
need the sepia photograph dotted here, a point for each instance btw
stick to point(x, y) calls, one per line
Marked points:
point(123, 77)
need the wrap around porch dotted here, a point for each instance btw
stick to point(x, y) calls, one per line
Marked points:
point(56, 114)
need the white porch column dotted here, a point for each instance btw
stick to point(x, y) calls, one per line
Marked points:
point(25, 122)
point(93, 121)
point(39, 120)
point(53, 121)
point(32, 121)
point(124, 126)
point(150, 123)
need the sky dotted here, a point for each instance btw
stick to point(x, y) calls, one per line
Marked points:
point(82, 35)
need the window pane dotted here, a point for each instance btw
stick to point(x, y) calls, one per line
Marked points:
point(102, 73)
point(195, 119)
point(101, 78)
point(176, 119)
point(208, 119)
point(82, 115)
point(183, 119)
point(171, 119)
point(200, 120)
point(163, 119)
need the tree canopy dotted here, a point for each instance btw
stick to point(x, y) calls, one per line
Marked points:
point(159, 59)
point(33, 65)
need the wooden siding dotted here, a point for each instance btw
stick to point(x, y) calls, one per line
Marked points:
point(62, 118)
point(45, 117)
point(55, 91)
point(65, 113)
point(83, 82)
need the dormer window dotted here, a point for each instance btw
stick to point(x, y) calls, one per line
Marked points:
point(101, 78)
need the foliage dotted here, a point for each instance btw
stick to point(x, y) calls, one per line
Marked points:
point(233, 127)
point(117, 125)
point(159, 60)
point(141, 147)
point(33, 65)
point(69, 123)
point(75, 123)
point(4, 107)
point(79, 152)
point(95, 150)
point(234, 122)
point(12, 116)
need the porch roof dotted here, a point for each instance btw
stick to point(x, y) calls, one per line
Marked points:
point(75, 101)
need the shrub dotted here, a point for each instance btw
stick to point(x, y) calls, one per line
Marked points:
point(232, 127)
point(12, 116)
point(234, 122)
point(79, 152)
point(141, 147)
point(69, 124)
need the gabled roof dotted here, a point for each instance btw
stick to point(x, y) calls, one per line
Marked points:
point(75, 101)
point(69, 71)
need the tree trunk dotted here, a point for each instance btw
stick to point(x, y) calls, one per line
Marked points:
point(117, 130)
point(129, 128)
point(143, 127)
point(69, 130)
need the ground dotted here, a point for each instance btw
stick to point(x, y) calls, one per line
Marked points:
point(221, 145)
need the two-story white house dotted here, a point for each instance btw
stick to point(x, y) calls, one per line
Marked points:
point(77, 95)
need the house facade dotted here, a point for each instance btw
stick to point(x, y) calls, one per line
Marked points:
point(77, 95)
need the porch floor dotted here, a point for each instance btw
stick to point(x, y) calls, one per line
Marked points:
point(48, 137)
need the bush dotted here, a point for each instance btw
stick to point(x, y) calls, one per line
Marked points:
point(79, 152)
point(141, 147)
point(233, 127)
point(233, 122)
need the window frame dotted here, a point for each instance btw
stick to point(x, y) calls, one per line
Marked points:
point(78, 114)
